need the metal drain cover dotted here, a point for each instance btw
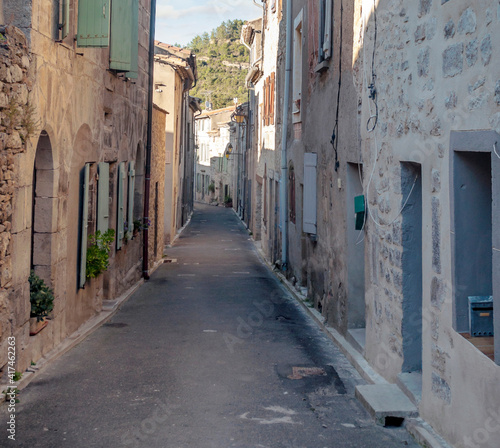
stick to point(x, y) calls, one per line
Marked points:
point(115, 325)
point(299, 373)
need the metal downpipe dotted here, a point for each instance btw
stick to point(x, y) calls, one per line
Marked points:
point(149, 144)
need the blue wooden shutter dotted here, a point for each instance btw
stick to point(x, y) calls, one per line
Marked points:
point(131, 192)
point(93, 23)
point(124, 36)
point(103, 198)
point(64, 21)
point(309, 212)
point(84, 225)
point(121, 208)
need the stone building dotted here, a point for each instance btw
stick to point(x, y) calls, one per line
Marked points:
point(392, 190)
point(175, 74)
point(74, 161)
point(261, 36)
point(213, 135)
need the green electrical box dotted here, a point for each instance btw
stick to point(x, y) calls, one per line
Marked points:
point(359, 211)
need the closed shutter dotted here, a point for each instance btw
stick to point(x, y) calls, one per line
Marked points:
point(93, 23)
point(131, 188)
point(120, 226)
point(103, 198)
point(133, 73)
point(327, 39)
point(124, 36)
point(84, 225)
point(309, 214)
point(271, 108)
point(64, 19)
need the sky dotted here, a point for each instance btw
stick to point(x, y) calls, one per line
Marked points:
point(178, 21)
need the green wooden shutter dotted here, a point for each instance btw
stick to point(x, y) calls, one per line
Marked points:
point(133, 73)
point(124, 36)
point(131, 192)
point(93, 23)
point(84, 225)
point(64, 21)
point(121, 211)
point(103, 198)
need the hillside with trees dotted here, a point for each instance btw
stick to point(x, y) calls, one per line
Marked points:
point(222, 65)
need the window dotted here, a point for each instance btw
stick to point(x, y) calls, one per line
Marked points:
point(297, 69)
point(117, 27)
point(325, 30)
point(475, 211)
point(269, 88)
point(309, 205)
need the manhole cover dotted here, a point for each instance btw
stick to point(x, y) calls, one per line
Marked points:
point(116, 325)
point(302, 372)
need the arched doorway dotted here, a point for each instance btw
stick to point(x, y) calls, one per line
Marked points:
point(44, 209)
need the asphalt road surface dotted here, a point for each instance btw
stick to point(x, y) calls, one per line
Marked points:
point(210, 353)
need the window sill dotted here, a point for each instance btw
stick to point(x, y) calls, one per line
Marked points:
point(322, 66)
point(485, 345)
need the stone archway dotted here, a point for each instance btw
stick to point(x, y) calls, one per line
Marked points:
point(44, 208)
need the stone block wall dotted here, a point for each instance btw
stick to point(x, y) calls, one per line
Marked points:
point(16, 124)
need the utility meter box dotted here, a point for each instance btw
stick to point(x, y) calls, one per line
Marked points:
point(359, 211)
point(481, 315)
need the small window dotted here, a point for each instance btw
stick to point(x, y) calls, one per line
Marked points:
point(325, 30)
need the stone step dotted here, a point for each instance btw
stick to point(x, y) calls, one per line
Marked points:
point(411, 385)
point(386, 403)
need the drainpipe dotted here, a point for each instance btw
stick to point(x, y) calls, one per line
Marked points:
point(149, 138)
point(284, 142)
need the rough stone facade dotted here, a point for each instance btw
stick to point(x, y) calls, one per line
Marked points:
point(16, 125)
point(417, 91)
point(85, 114)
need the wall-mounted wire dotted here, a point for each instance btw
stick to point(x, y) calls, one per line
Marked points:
point(495, 149)
point(334, 139)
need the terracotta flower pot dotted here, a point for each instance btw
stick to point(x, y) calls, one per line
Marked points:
point(37, 325)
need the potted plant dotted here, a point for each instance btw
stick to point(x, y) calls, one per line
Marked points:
point(98, 252)
point(42, 303)
point(228, 201)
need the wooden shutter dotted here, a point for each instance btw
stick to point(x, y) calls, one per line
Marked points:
point(64, 21)
point(124, 36)
point(271, 99)
point(84, 225)
point(309, 206)
point(93, 23)
point(327, 36)
point(133, 73)
point(131, 188)
point(103, 198)
point(120, 227)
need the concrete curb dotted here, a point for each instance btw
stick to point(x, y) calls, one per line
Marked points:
point(109, 309)
point(420, 430)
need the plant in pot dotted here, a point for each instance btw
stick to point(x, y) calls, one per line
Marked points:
point(98, 253)
point(228, 201)
point(211, 188)
point(42, 303)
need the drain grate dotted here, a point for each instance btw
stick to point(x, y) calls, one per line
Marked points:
point(115, 325)
point(299, 373)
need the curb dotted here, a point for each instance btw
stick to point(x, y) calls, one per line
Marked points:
point(109, 309)
point(420, 430)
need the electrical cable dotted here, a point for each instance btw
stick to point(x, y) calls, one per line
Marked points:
point(334, 139)
point(372, 95)
point(495, 150)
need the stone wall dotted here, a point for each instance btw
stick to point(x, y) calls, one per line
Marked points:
point(17, 122)
point(436, 71)
point(157, 188)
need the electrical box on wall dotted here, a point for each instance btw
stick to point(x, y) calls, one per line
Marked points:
point(359, 211)
point(481, 315)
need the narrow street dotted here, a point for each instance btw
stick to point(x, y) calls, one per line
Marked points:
point(211, 352)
